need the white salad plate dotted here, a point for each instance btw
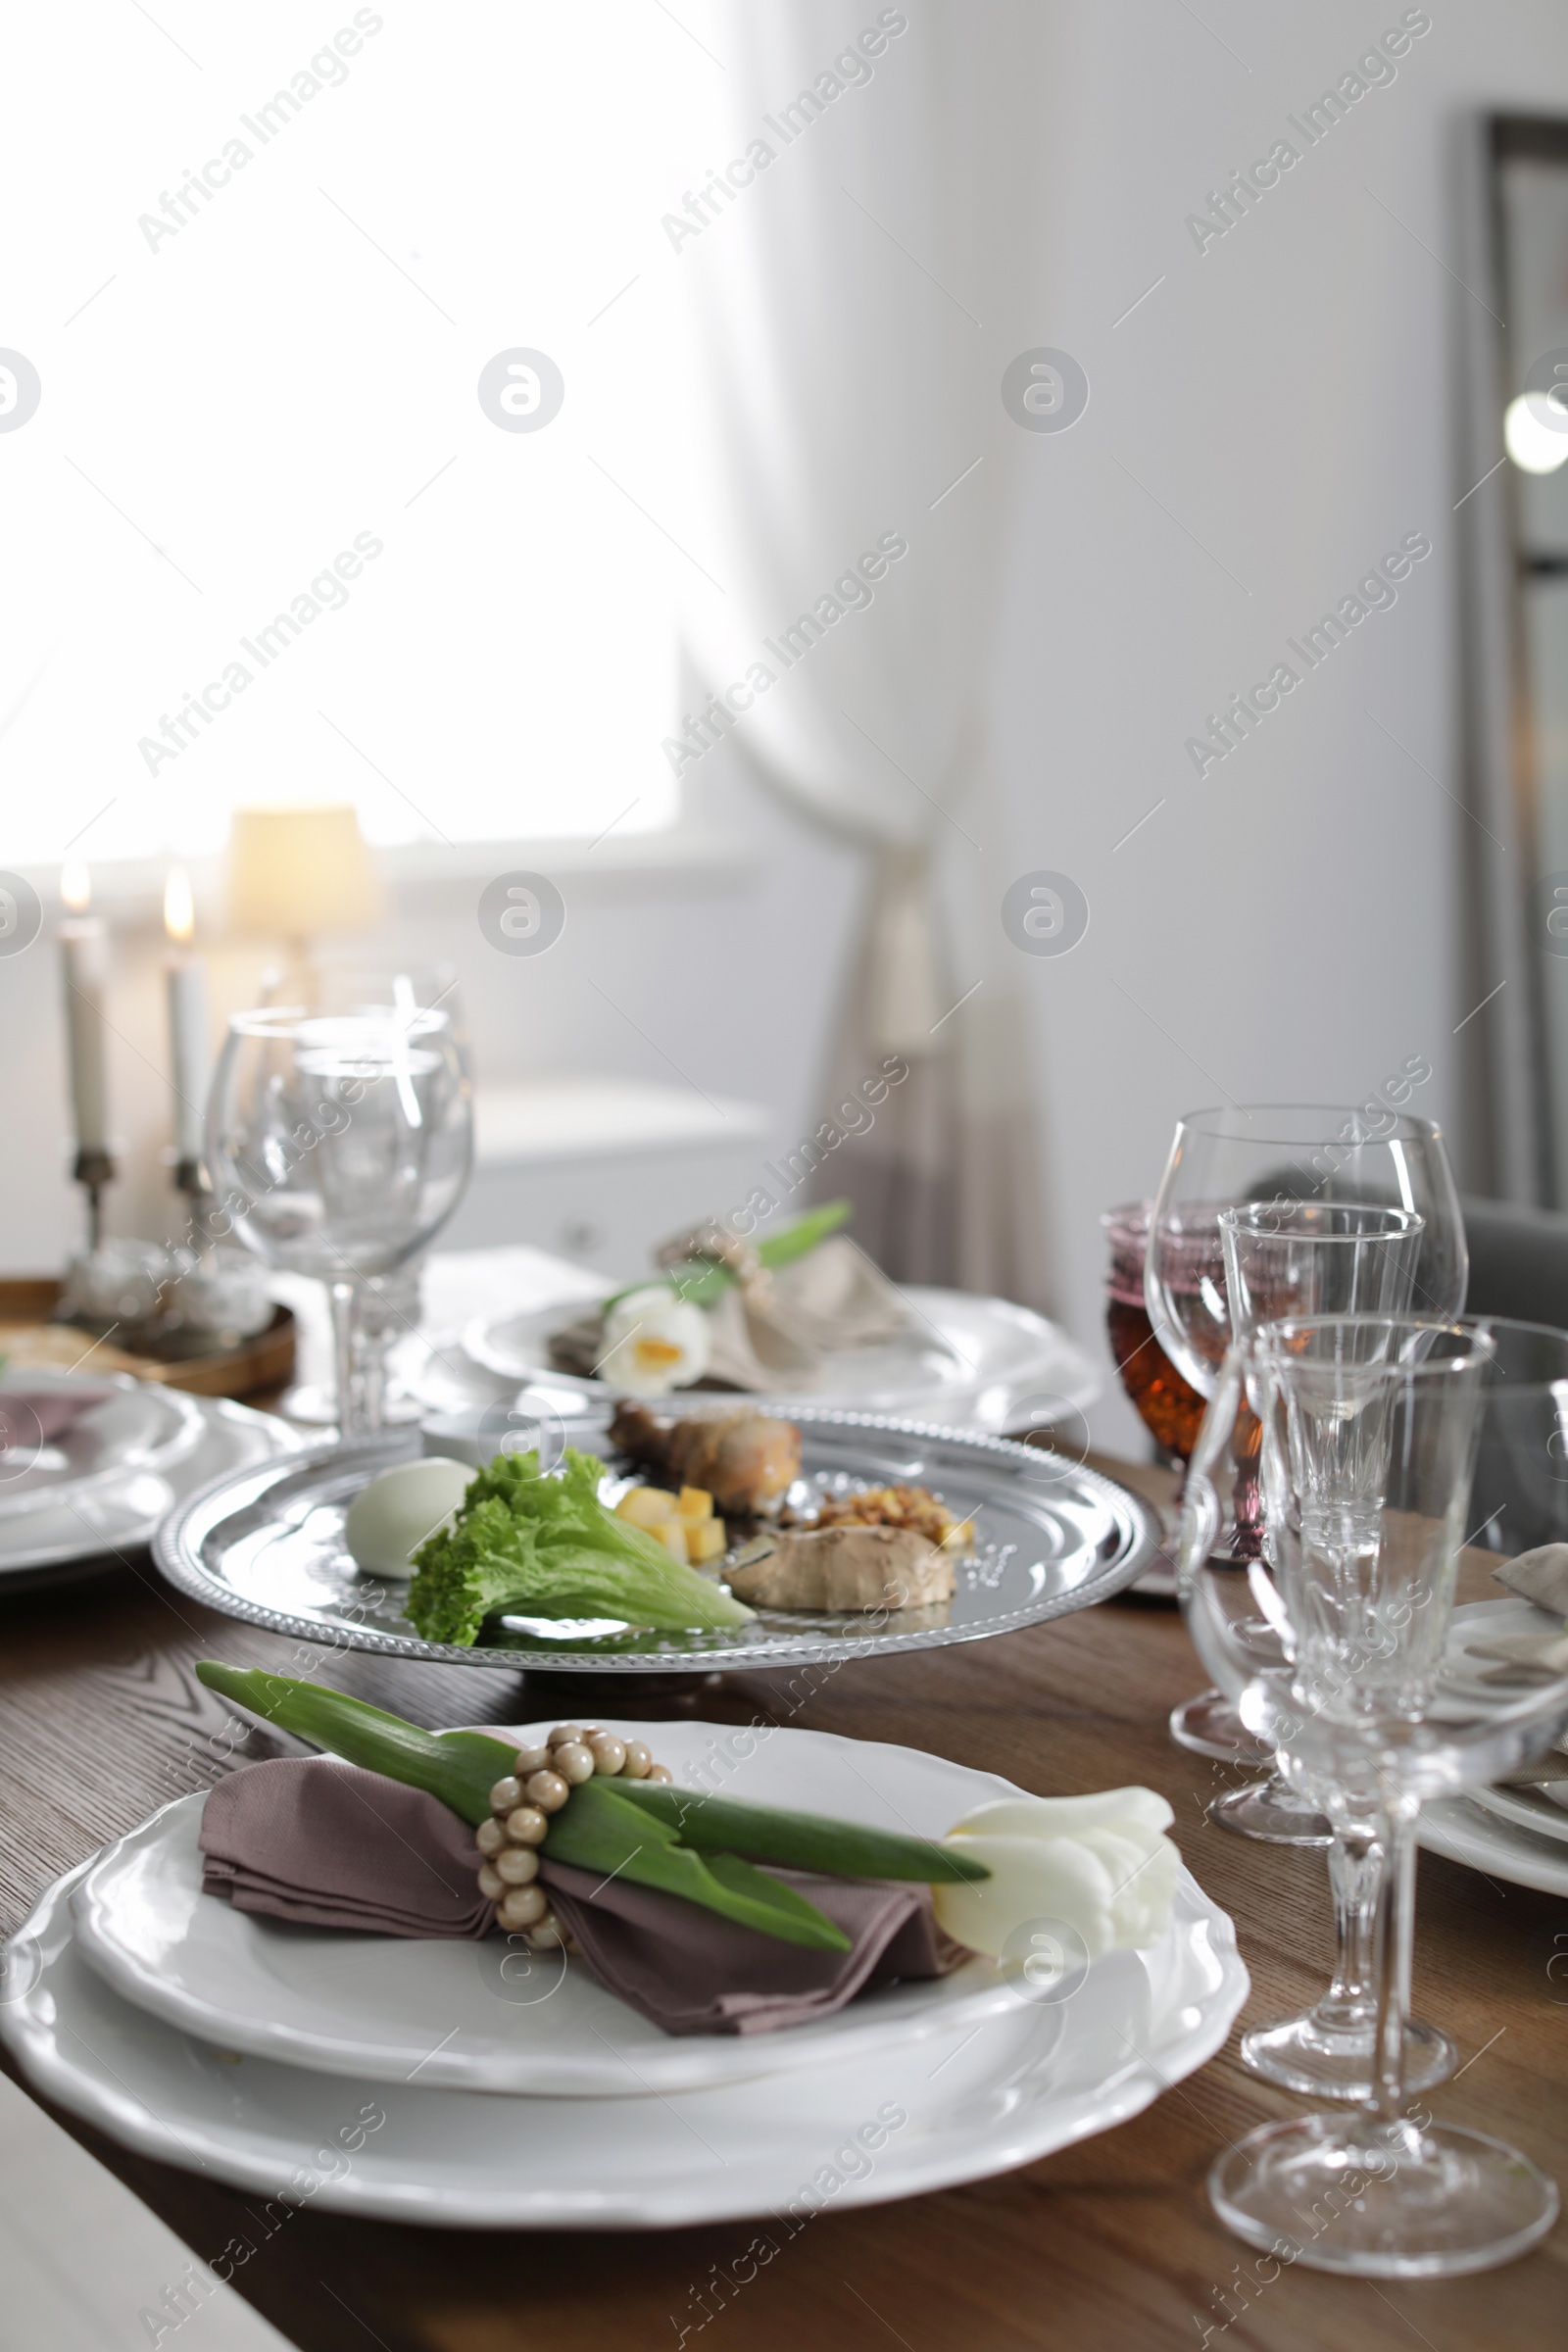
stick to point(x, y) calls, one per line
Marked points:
point(344, 2004)
point(971, 1362)
point(168, 1445)
point(858, 2127)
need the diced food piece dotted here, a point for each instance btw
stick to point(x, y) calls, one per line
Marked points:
point(694, 1502)
point(671, 1533)
point(646, 1508)
point(846, 1568)
point(705, 1541)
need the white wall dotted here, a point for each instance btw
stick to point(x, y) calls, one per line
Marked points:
point(1297, 923)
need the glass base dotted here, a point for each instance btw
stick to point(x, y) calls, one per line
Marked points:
point(1383, 2202)
point(1271, 1812)
point(314, 1407)
point(1331, 2058)
point(1209, 1726)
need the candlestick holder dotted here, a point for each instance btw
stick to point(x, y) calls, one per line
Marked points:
point(93, 1171)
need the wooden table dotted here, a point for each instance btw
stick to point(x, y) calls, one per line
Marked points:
point(1106, 2245)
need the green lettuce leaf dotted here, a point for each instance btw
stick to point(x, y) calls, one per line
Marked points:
point(546, 1545)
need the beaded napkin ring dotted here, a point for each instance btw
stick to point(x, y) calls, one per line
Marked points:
point(521, 1804)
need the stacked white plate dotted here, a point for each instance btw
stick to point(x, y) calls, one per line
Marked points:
point(101, 1487)
point(1518, 1834)
point(480, 2085)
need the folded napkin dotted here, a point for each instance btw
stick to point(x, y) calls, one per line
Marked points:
point(691, 1971)
point(772, 1328)
point(328, 1845)
point(331, 1846)
point(1541, 1575)
point(29, 1415)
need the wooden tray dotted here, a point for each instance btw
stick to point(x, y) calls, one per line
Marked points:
point(27, 1337)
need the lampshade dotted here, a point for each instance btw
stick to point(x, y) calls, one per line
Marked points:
point(301, 873)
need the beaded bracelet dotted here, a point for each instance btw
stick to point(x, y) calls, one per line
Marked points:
point(539, 1785)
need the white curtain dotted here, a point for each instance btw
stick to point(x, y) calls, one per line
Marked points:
point(853, 302)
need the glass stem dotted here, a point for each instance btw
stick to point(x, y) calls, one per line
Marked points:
point(1395, 1909)
point(1355, 1867)
point(359, 1399)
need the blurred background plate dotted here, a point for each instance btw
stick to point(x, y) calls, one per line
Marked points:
point(70, 1435)
point(1052, 1537)
point(74, 1531)
point(977, 1362)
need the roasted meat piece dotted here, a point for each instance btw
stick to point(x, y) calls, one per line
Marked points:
point(844, 1568)
point(746, 1461)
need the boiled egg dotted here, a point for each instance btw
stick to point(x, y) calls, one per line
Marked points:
point(389, 1519)
point(653, 1342)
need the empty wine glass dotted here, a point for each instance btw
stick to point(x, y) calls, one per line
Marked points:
point(389, 1304)
point(1369, 1429)
point(1330, 1155)
point(1518, 1503)
point(1298, 1259)
point(339, 1143)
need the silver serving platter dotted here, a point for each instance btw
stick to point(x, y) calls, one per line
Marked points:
point(265, 1544)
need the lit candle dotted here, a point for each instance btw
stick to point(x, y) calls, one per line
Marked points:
point(189, 1058)
point(84, 961)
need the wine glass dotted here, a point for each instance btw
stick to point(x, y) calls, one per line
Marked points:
point(1296, 1258)
point(339, 1142)
point(1324, 1154)
point(1170, 1408)
point(1370, 1435)
point(1518, 1502)
point(389, 1310)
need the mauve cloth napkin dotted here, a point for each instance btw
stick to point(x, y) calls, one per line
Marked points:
point(328, 1845)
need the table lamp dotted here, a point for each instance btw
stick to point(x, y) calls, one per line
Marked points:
point(300, 873)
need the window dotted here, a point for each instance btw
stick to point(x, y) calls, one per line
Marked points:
point(263, 540)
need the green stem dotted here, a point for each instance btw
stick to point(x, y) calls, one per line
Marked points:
point(702, 1281)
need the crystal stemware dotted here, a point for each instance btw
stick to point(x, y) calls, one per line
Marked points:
point(1328, 1155)
point(339, 1142)
point(1296, 1258)
point(1370, 1431)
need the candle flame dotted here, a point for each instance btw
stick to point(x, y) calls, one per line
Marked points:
point(179, 911)
point(75, 885)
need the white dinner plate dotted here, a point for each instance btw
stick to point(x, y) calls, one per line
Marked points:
point(969, 1362)
point(345, 2003)
point(1459, 1829)
point(890, 2123)
point(116, 1514)
point(1529, 1807)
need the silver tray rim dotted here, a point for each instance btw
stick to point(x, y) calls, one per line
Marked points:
point(177, 1552)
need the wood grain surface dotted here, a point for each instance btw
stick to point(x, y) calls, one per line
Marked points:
point(1106, 2245)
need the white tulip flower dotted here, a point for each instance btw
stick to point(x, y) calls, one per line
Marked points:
point(1101, 1864)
